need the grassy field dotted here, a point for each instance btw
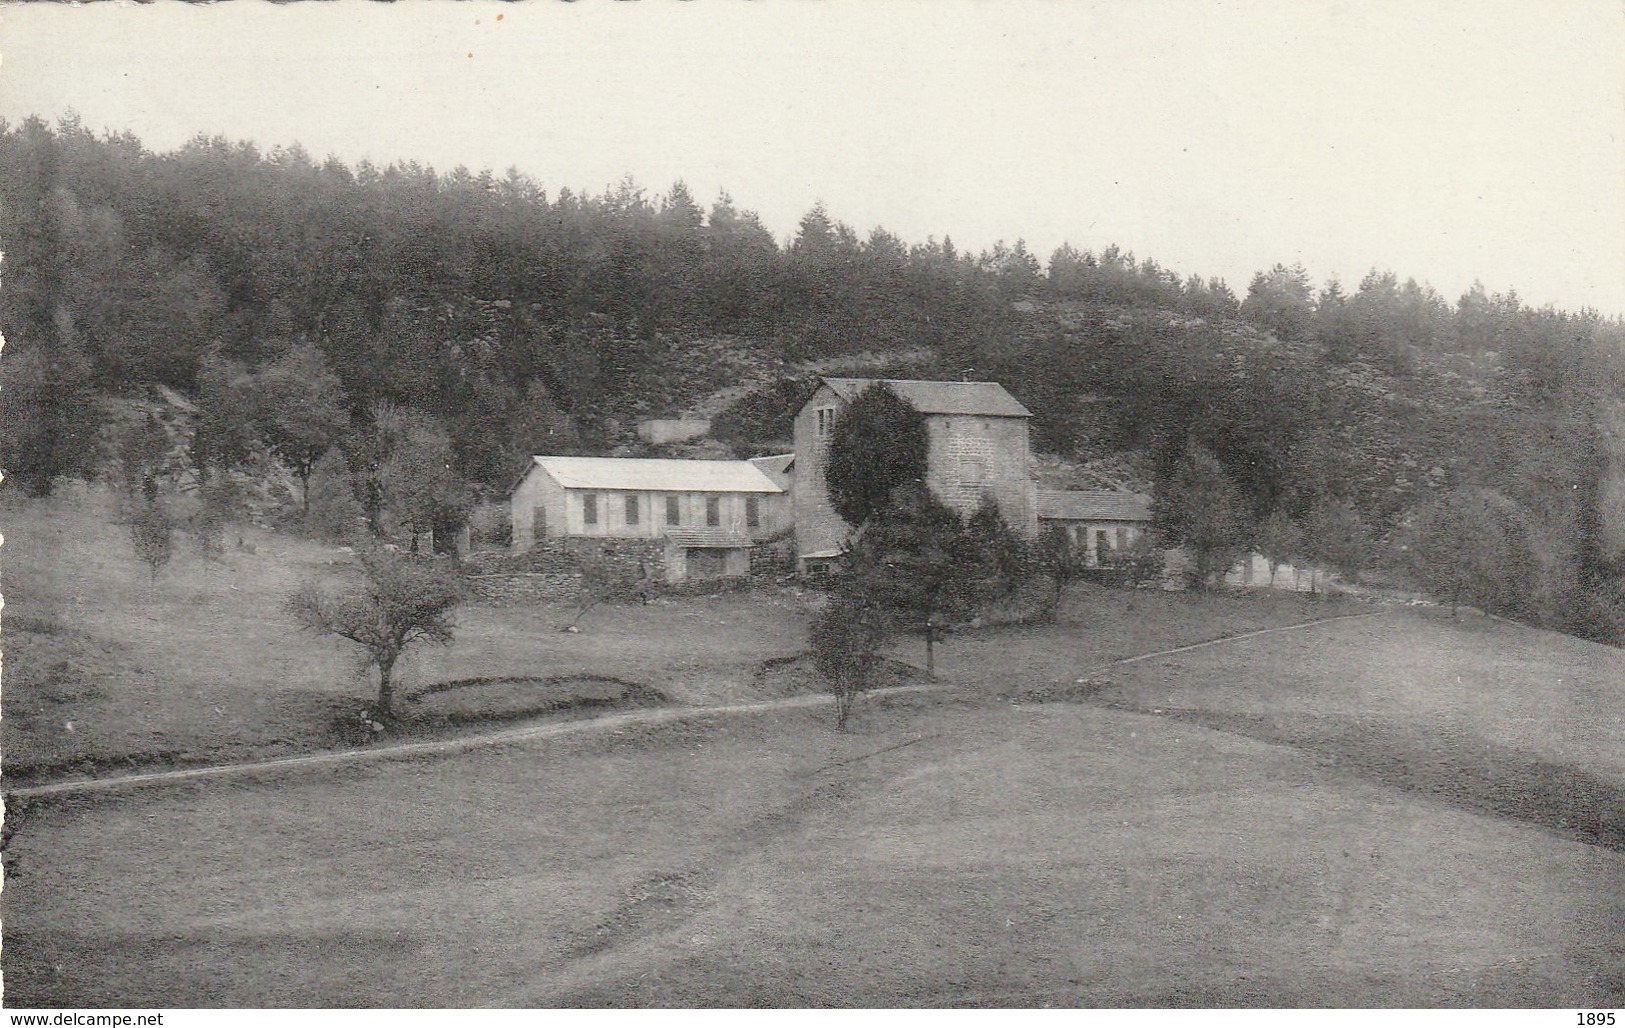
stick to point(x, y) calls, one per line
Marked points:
point(105, 669)
point(1296, 819)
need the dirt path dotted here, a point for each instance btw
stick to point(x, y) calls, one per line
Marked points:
point(460, 745)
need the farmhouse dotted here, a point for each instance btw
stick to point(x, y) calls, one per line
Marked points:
point(978, 446)
point(693, 518)
point(1099, 521)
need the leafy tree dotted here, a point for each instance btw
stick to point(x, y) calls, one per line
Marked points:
point(302, 410)
point(226, 432)
point(412, 478)
point(1337, 537)
point(143, 452)
point(49, 415)
point(1280, 540)
point(1281, 300)
point(219, 501)
point(1002, 554)
point(332, 512)
point(846, 640)
point(1061, 559)
point(917, 563)
point(1470, 545)
point(878, 444)
point(1197, 506)
point(403, 600)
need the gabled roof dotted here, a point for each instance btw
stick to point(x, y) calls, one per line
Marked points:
point(776, 467)
point(1093, 505)
point(777, 464)
point(672, 476)
point(985, 398)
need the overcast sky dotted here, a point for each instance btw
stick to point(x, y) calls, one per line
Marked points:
point(1446, 141)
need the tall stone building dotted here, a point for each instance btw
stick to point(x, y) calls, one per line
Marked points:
point(978, 446)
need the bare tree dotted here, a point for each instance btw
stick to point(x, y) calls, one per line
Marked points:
point(404, 600)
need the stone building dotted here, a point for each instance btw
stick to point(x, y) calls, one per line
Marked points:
point(978, 446)
point(688, 518)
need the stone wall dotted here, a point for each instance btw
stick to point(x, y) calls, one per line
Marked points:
point(973, 456)
point(551, 569)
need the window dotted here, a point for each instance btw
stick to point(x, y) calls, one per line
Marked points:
point(589, 508)
point(713, 511)
point(631, 508)
point(974, 472)
point(538, 524)
point(1103, 540)
point(674, 511)
point(826, 420)
point(1122, 538)
point(753, 511)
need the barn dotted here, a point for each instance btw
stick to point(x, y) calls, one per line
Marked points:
point(699, 518)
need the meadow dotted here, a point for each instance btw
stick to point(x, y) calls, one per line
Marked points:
point(1395, 810)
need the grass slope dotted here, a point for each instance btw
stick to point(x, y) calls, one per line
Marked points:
point(951, 850)
point(104, 667)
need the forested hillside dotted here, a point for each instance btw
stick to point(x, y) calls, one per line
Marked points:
point(383, 320)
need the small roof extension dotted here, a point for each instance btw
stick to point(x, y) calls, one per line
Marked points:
point(989, 399)
point(1092, 505)
point(640, 474)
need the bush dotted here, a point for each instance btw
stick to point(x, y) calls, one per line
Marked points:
point(152, 532)
point(219, 502)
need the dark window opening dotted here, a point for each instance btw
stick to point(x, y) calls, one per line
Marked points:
point(753, 511)
point(589, 509)
point(713, 511)
point(674, 512)
point(632, 508)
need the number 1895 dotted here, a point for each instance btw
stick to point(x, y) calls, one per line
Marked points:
point(1595, 1017)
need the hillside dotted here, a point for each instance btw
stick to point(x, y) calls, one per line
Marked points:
point(401, 317)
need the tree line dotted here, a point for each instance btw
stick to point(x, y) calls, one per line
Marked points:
point(399, 338)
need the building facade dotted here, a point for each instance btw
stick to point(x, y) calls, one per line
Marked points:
point(706, 515)
point(1097, 521)
point(977, 447)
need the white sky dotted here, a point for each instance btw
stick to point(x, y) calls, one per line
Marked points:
point(1443, 140)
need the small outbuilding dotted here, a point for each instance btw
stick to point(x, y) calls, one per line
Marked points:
point(1097, 521)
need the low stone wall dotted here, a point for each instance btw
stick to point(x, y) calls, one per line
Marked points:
point(515, 589)
point(551, 571)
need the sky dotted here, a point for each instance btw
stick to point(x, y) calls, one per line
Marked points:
point(1446, 141)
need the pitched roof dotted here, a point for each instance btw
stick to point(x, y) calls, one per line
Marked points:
point(986, 398)
point(776, 464)
point(1093, 505)
point(673, 476)
point(708, 538)
point(776, 467)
